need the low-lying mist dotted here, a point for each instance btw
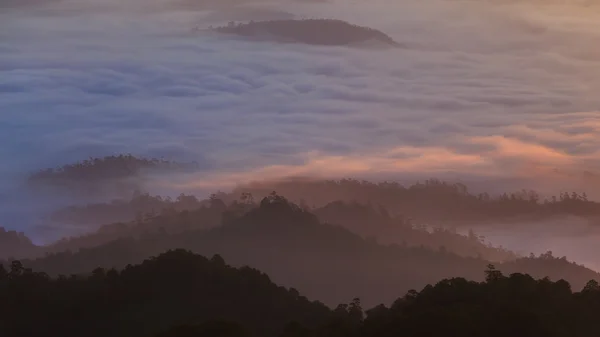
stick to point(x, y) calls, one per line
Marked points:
point(569, 236)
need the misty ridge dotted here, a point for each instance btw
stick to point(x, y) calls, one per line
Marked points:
point(295, 249)
point(296, 244)
point(432, 201)
point(97, 175)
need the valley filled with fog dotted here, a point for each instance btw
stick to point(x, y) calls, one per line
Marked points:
point(500, 96)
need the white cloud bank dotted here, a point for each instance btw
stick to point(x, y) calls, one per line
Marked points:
point(482, 90)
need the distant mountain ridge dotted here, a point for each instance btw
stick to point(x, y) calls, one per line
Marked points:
point(363, 219)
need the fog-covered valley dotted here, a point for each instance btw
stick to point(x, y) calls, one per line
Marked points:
point(471, 127)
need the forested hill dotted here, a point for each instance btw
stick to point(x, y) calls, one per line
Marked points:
point(363, 219)
point(325, 262)
point(377, 223)
point(325, 32)
point(113, 175)
point(179, 294)
point(174, 288)
point(433, 201)
point(105, 169)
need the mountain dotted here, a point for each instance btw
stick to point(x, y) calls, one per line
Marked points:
point(515, 305)
point(364, 219)
point(180, 294)
point(432, 201)
point(173, 288)
point(324, 262)
point(325, 32)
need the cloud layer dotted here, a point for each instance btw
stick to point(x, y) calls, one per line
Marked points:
point(482, 90)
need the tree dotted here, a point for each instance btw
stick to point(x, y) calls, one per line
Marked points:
point(16, 269)
point(492, 274)
point(592, 286)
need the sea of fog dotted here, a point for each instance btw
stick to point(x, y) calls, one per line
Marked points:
point(569, 236)
point(502, 94)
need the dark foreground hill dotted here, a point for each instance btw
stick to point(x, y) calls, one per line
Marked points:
point(179, 294)
point(325, 262)
point(175, 288)
point(325, 32)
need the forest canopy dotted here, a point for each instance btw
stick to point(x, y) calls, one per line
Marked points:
point(179, 294)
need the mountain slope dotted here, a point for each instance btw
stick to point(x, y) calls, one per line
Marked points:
point(324, 262)
point(174, 288)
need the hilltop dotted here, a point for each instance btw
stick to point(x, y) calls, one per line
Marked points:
point(324, 32)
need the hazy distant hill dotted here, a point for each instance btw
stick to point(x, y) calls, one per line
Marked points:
point(120, 174)
point(16, 245)
point(432, 201)
point(376, 223)
point(107, 168)
point(366, 220)
point(312, 31)
point(325, 262)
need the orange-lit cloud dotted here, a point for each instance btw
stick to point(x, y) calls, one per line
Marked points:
point(507, 157)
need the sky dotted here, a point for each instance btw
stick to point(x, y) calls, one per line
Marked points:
point(481, 91)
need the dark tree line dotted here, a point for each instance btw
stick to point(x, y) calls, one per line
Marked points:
point(174, 288)
point(180, 294)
